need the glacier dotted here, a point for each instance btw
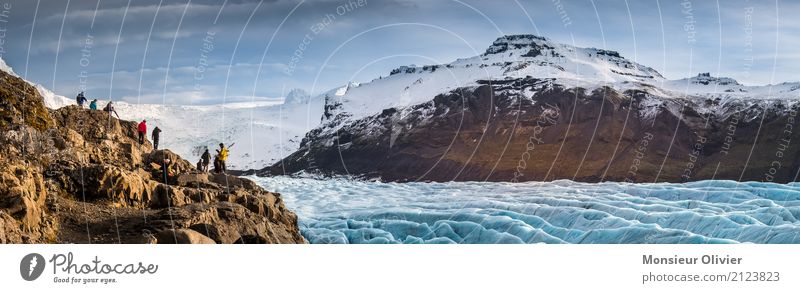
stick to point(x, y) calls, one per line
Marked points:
point(341, 210)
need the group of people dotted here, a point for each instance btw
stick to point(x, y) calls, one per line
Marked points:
point(202, 165)
point(219, 160)
point(109, 108)
point(142, 129)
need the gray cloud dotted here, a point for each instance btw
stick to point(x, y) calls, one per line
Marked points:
point(452, 29)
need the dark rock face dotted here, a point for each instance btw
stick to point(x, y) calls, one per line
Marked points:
point(494, 132)
point(75, 175)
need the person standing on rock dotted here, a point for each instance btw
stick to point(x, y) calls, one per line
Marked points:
point(156, 135)
point(93, 105)
point(217, 167)
point(81, 99)
point(206, 158)
point(223, 156)
point(110, 109)
point(142, 131)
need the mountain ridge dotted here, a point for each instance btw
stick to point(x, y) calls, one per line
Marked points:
point(416, 125)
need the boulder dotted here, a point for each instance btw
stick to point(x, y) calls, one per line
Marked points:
point(23, 197)
point(179, 165)
point(166, 196)
point(231, 182)
point(200, 195)
point(112, 183)
point(226, 222)
point(9, 229)
point(196, 180)
point(182, 236)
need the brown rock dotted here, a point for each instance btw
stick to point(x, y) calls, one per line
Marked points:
point(182, 236)
point(9, 229)
point(166, 196)
point(77, 176)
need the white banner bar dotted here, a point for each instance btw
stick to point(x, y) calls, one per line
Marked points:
point(397, 268)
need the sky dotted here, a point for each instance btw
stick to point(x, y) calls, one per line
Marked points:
point(210, 52)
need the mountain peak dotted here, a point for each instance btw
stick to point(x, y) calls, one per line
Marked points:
point(705, 78)
point(297, 96)
point(530, 42)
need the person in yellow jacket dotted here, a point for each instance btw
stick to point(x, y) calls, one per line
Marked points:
point(222, 156)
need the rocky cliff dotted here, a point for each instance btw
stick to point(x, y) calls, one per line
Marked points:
point(75, 175)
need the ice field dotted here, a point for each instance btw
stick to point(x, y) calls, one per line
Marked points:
point(348, 211)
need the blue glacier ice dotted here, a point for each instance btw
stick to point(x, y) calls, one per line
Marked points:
point(715, 211)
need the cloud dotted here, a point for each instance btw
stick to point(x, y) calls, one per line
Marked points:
point(467, 28)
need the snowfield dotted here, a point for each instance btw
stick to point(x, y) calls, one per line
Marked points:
point(345, 211)
point(263, 132)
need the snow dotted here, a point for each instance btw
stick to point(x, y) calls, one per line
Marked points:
point(6, 68)
point(263, 132)
point(51, 100)
point(707, 86)
point(509, 57)
point(519, 56)
point(346, 211)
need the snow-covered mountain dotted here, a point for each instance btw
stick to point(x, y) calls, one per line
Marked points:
point(471, 119)
point(519, 56)
point(509, 57)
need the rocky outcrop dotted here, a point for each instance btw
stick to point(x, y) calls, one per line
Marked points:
point(182, 236)
point(533, 129)
point(75, 175)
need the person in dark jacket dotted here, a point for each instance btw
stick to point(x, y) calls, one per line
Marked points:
point(142, 131)
point(206, 158)
point(156, 134)
point(110, 109)
point(217, 165)
point(81, 99)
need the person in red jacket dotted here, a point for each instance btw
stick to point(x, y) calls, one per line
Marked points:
point(142, 131)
